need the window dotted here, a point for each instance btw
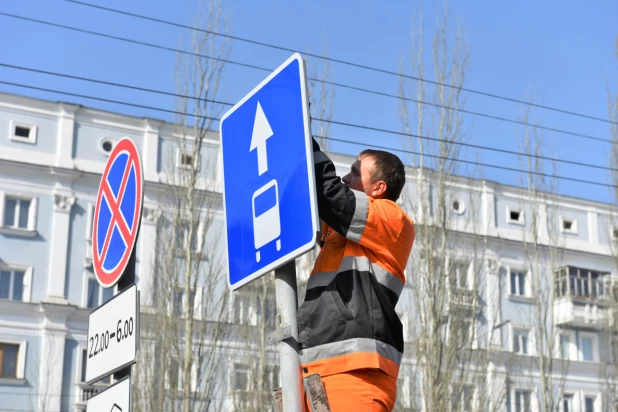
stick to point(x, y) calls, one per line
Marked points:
point(589, 403)
point(458, 207)
point(22, 132)
point(106, 145)
point(84, 362)
point(12, 284)
point(567, 403)
point(174, 375)
point(568, 225)
point(174, 379)
point(461, 276)
point(247, 307)
point(614, 348)
point(515, 216)
point(586, 348)
point(518, 283)
point(579, 283)
point(268, 304)
point(522, 400)
point(185, 160)
point(462, 332)
point(242, 310)
point(180, 307)
point(521, 341)
point(241, 379)
point(12, 358)
point(462, 398)
point(96, 294)
point(272, 378)
point(565, 346)
point(88, 242)
point(17, 213)
point(9, 357)
point(615, 233)
point(182, 234)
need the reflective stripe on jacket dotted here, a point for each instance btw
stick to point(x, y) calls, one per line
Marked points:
point(347, 320)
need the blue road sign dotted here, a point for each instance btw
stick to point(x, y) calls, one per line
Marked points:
point(268, 175)
point(117, 213)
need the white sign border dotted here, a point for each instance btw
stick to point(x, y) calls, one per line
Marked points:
point(310, 172)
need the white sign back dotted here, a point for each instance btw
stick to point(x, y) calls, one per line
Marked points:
point(113, 335)
point(116, 398)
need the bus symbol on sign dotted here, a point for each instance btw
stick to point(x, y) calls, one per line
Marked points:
point(266, 219)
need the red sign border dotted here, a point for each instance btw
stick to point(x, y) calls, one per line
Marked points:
point(109, 279)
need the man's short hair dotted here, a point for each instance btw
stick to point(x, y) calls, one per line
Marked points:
point(388, 168)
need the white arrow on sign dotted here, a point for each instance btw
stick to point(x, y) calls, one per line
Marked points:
point(261, 132)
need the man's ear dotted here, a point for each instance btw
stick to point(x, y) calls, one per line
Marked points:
point(379, 189)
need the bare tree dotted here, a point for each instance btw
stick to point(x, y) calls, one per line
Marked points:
point(609, 368)
point(543, 245)
point(322, 97)
point(256, 373)
point(183, 332)
point(612, 106)
point(446, 275)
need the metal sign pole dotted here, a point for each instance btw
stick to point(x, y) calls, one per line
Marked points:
point(127, 279)
point(285, 293)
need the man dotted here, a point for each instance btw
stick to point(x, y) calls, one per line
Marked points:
point(349, 332)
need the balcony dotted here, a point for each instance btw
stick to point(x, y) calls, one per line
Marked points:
point(86, 392)
point(463, 299)
point(583, 298)
point(570, 313)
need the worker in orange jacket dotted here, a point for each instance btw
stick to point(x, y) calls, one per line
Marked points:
point(349, 332)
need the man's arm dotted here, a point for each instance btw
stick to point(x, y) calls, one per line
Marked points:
point(349, 212)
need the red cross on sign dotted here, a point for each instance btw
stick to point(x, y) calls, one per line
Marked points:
point(117, 213)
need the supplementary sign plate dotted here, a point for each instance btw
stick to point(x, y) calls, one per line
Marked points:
point(116, 398)
point(113, 335)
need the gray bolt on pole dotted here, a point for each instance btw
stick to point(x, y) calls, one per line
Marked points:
point(285, 292)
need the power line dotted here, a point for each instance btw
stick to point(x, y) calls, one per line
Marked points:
point(101, 99)
point(511, 169)
point(133, 87)
point(109, 83)
point(340, 140)
point(138, 42)
point(471, 145)
point(335, 84)
point(344, 62)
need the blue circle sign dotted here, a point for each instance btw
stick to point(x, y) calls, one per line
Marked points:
point(117, 213)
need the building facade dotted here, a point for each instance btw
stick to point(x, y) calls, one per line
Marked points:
point(51, 157)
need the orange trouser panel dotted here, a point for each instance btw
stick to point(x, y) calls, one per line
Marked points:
point(349, 362)
point(361, 390)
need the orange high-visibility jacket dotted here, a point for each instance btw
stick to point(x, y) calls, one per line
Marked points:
point(347, 320)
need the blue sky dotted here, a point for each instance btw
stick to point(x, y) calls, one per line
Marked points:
point(562, 50)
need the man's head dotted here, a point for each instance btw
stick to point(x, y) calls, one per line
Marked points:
point(379, 174)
